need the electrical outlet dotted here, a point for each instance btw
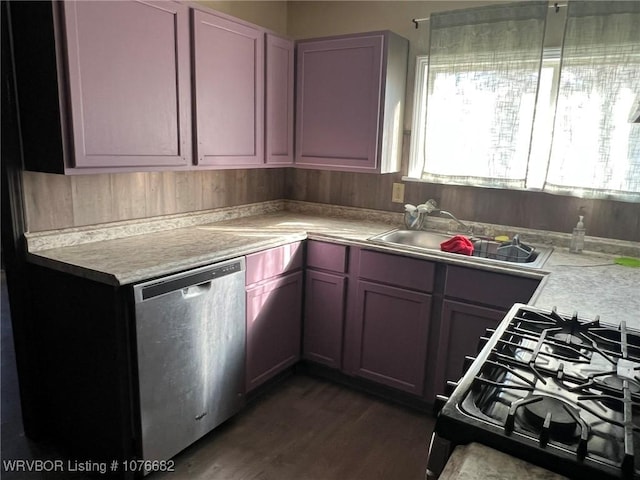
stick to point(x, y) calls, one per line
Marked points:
point(397, 196)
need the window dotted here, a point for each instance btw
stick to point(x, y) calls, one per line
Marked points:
point(493, 109)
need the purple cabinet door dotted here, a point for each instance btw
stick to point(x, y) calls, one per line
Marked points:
point(279, 101)
point(229, 92)
point(327, 256)
point(338, 102)
point(129, 83)
point(324, 318)
point(460, 331)
point(489, 288)
point(393, 326)
point(274, 310)
point(274, 261)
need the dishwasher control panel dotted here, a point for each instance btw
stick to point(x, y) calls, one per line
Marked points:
point(178, 281)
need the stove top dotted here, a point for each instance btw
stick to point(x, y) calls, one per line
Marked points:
point(555, 390)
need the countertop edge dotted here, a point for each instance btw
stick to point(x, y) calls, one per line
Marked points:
point(167, 268)
point(475, 462)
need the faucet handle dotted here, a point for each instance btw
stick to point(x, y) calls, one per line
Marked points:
point(431, 205)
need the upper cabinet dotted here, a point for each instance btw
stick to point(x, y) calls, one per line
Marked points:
point(279, 101)
point(107, 86)
point(129, 83)
point(350, 99)
point(111, 88)
point(243, 98)
point(130, 86)
point(229, 92)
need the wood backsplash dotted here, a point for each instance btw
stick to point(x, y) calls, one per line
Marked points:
point(58, 201)
point(603, 218)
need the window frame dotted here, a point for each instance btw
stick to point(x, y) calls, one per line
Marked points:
point(541, 136)
point(418, 130)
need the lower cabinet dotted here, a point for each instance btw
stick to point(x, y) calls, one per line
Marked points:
point(402, 322)
point(324, 317)
point(393, 326)
point(389, 320)
point(274, 312)
point(474, 300)
point(273, 327)
point(325, 302)
point(461, 328)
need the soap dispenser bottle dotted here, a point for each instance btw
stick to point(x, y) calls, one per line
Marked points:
point(577, 238)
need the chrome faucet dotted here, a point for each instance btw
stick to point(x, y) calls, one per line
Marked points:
point(432, 207)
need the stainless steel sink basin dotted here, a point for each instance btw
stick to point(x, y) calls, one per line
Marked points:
point(413, 238)
point(485, 251)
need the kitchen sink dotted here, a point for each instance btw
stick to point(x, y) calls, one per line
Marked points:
point(413, 238)
point(486, 250)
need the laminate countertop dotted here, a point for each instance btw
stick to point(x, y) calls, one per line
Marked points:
point(478, 462)
point(131, 252)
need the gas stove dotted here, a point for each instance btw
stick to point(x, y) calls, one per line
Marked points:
point(555, 390)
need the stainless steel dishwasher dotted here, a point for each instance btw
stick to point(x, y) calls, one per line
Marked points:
point(190, 335)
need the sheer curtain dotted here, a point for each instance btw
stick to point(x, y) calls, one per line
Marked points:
point(483, 73)
point(595, 150)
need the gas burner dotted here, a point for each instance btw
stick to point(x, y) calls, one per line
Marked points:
point(548, 416)
point(568, 338)
point(615, 382)
point(613, 387)
point(566, 345)
point(560, 416)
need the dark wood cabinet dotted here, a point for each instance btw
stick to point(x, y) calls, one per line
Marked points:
point(81, 330)
point(325, 303)
point(274, 312)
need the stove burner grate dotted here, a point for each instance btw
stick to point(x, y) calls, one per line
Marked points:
point(567, 386)
point(550, 417)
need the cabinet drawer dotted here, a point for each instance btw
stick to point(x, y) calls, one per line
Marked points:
point(490, 288)
point(327, 256)
point(397, 270)
point(272, 262)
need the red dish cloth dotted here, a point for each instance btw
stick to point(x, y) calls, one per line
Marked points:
point(458, 244)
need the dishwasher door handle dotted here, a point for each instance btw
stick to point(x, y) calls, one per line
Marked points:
point(189, 284)
point(196, 290)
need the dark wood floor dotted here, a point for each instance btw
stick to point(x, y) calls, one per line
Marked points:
point(311, 429)
point(304, 428)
